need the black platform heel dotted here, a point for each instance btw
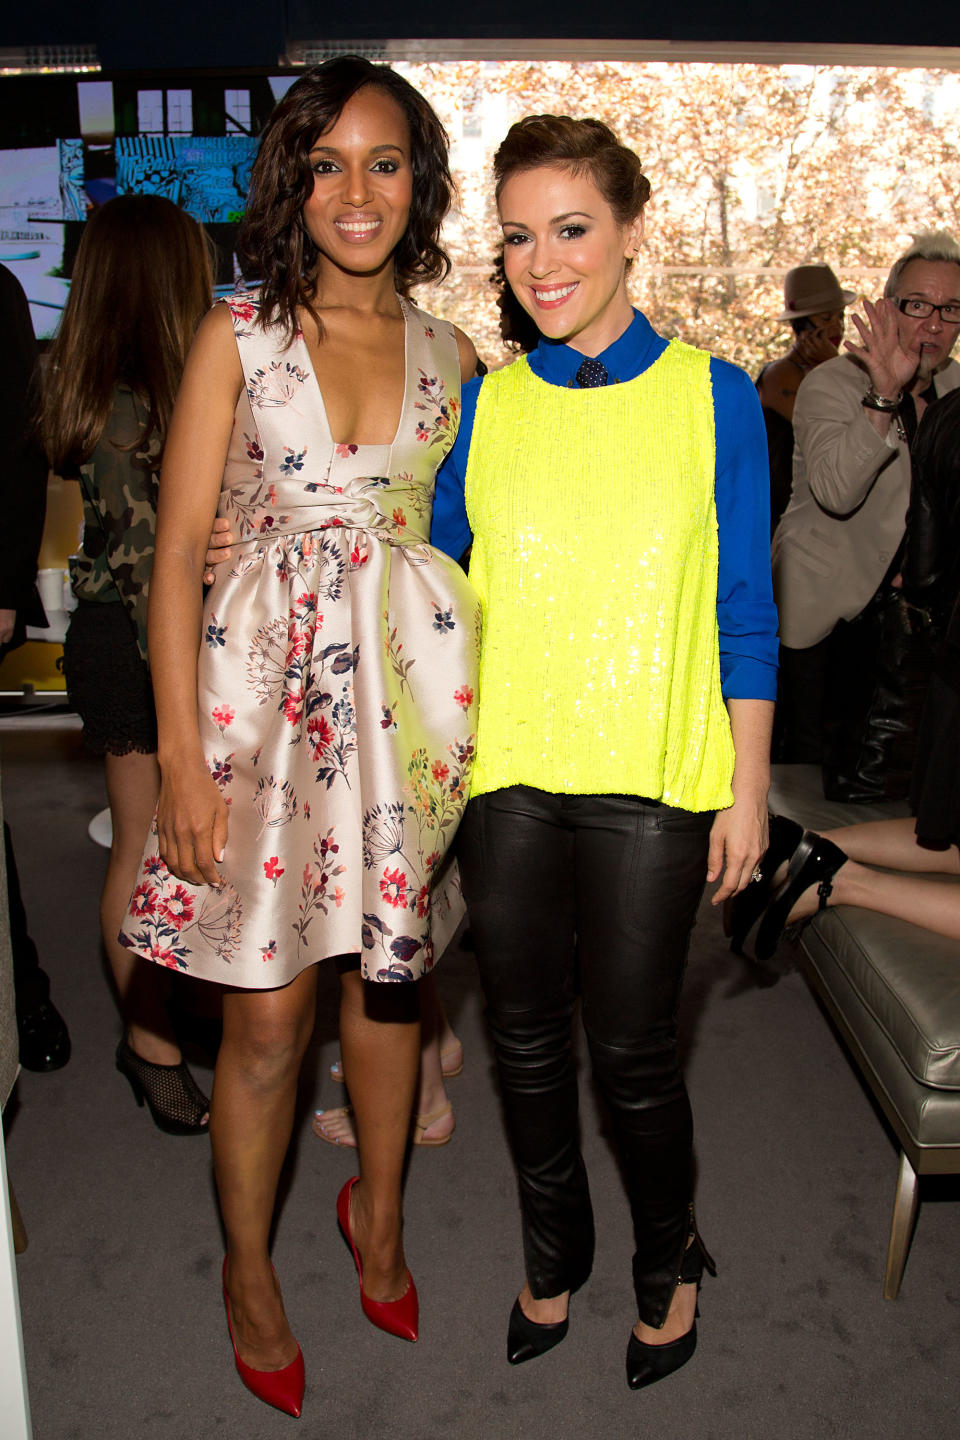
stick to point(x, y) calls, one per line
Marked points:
point(646, 1364)
point(814, 862)
point(526, 1339)
point(741, 912)
point(176, 1102)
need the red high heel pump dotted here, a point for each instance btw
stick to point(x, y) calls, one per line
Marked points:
point(398, 1317)
point(283, 1389)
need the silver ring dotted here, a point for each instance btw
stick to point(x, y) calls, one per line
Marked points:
point(757, 874)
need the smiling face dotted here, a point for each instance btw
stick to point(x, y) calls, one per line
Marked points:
point(929, 340)
point(362, 184)
point(565, 256)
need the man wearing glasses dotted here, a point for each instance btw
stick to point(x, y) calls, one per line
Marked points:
point(844, 627)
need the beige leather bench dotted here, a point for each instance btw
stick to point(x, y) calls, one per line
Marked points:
point(893, 991)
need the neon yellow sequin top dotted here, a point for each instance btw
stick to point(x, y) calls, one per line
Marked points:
point(595, 559)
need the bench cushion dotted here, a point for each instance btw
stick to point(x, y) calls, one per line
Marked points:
point(905, 981)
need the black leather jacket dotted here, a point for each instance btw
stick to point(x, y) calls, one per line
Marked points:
point(931, 568)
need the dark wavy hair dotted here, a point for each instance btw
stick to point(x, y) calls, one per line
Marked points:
point(273, 245)
point(142, 282)
point(518, 330)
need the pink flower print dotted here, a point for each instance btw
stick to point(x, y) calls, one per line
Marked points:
point(356, 557)
point(222, 717)
point(242, 310)
point(162, 956)
point(153, 865)
point(273, 869)
point(272, 494)
point(267, 523)
point(177, 908)
point(254, 448)
point(320, 735)
point(463, 697)
point(293, 707)
point(399, 517)
point(429, 332)
point(422, 432)
point(339, 896)
point(453, 405)
point(432, 861)
point(388, 720)
point(440, 771)
point(394, 888)
point(423, 902)
point(221, 771)
point(142, 901)
point(344, 452)
point(269, 952)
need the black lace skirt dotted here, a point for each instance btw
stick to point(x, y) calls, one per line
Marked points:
point(108, 683)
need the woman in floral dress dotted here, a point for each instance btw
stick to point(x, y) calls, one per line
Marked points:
point(315, 758)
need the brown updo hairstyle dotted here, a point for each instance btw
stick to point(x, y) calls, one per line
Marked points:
point(584, 147)
point(273, 245)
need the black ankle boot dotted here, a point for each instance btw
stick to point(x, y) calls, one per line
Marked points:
point(646, 1364)
point(526, 1339)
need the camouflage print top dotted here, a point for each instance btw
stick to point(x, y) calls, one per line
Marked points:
point(119, 488)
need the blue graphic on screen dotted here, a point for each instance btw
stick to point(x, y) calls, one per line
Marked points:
point(208, 176)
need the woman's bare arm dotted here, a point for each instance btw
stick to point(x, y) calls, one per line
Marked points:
point(192, 815)
point(739, 835)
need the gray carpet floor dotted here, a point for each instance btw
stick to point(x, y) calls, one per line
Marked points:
point(123, 1322)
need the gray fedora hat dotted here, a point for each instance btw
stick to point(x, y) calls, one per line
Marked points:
point(808, 289)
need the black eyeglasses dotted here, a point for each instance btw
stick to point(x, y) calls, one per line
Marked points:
point(923, 309)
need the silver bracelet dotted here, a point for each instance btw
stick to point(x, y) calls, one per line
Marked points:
point(873, 401)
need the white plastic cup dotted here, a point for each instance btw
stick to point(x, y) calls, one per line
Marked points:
point(50, 585)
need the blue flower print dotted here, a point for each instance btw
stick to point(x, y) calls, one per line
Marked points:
point(293, 461)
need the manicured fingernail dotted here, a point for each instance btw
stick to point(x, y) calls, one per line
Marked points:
point(220, 857)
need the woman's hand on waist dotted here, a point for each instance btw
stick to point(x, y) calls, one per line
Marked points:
point(218, 547)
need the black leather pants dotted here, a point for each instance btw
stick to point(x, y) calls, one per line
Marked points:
point(597, 893)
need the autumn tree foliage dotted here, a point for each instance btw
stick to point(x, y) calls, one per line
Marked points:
point(754, 168)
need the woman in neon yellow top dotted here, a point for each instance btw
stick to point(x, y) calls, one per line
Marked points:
point(626, 694)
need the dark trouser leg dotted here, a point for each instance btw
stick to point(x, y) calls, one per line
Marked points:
point(516, 860)
point(878, 676)
point(31, 984)
point(640, 873)
point(801, 699)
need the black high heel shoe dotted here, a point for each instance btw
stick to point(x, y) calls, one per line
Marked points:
point(176, 1102)
point(526, 1339)
point(814, 862)
point(741, 912)
point(646, 1364)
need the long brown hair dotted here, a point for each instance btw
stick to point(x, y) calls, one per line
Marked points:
point(142, 282)
point(273, 246)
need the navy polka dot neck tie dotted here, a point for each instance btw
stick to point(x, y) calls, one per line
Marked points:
point(591, 374)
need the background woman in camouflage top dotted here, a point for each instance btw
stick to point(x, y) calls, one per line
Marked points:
point(141, 284)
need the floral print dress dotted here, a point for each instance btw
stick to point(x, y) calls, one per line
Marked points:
point(337, 681)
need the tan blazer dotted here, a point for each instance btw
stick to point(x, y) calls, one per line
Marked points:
point(848, 505)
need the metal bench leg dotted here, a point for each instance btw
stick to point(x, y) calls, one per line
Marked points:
point(904, 1215)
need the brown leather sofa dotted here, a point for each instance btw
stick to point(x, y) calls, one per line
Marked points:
point(893, 992)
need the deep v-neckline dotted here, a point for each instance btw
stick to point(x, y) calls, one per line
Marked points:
point(352, 445)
